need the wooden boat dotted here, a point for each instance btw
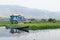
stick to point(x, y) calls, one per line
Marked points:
point(17, 30)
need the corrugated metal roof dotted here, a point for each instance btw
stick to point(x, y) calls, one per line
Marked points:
point(16, 15)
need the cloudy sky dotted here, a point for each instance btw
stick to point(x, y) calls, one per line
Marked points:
point(51, 5)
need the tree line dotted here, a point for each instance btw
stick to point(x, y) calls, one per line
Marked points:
point(44, 20)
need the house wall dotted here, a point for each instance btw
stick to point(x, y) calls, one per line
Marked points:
point(18, 19)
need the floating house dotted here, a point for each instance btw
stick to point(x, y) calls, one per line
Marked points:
point(17, 18)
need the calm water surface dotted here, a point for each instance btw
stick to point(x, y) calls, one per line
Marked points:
point(51, 34)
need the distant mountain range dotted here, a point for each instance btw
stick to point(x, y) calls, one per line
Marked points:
point(6, 10)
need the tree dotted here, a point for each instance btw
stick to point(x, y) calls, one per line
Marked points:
point(51, 20)
point(54, 20)
point(32, 19)
point(43, 20)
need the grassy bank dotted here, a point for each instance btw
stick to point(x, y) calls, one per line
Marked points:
point(33, 26)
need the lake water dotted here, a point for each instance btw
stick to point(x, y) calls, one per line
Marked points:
point(51, 34)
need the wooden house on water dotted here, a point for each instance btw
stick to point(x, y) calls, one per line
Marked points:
point(14, 19)
point(17, 18)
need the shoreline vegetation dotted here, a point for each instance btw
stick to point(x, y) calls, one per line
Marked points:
point(33, 26)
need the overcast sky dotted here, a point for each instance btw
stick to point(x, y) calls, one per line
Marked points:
point(52, 5)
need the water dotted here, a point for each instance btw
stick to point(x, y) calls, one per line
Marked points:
point(51, 34)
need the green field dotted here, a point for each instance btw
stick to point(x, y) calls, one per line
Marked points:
point(33, 26)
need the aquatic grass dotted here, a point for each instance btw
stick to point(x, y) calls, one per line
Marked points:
point(33, 26)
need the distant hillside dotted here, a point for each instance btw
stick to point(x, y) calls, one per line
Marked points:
point(6, 10)
point(4, 19)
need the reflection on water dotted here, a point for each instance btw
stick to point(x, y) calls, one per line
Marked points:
point(53, 34)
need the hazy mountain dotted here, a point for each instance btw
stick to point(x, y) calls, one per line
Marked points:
point(6, 10)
